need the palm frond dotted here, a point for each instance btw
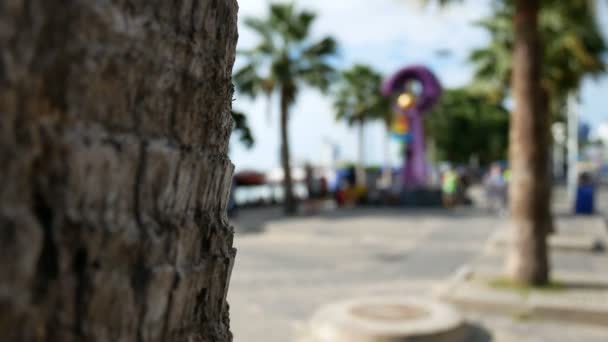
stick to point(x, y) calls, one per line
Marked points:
point(284, 58)
point(358, 97)
point(248, 82)
point(241, 127)
point(573, 48)
point(323, 48)
point(319, 75)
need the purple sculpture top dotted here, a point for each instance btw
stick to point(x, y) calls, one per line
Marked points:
point(414, 104)
point(431, 88)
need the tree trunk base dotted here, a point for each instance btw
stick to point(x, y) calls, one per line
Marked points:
point(528, 262)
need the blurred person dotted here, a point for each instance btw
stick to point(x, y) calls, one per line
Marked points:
point(323, 187)
point(463, 184)
point(449, 186)
point(314, 189)
point(340, 194)
point(507, 175)
point(359, 194)
point(496, 189)
point(310, 180)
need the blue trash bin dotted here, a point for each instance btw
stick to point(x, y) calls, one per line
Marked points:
point(585, 203)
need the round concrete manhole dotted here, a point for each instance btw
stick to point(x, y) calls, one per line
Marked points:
point(387, 319)
point(389, 312)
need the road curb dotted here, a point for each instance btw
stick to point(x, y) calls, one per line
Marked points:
point(578, 302)
point(573, 233)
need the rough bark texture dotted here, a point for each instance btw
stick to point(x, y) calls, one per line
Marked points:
point(529, 154)
point(114, 127)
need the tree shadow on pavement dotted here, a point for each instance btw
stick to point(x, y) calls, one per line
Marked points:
point(406, 212)
point(477, 333)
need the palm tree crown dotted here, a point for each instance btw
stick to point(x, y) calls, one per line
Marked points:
point(358, 97)
point(285, 57)
point(573, 48)
point(357, 100)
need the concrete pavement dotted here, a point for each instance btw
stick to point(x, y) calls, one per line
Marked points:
point(286, 268)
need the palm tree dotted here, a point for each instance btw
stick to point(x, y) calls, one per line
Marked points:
point(357, 100)
point(284, 60)
point(572, 50)
point(530, 185)
point(529, 150)
point(115, 182)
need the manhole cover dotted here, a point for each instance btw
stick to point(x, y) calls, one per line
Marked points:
point(386, 318)
point(390, 312)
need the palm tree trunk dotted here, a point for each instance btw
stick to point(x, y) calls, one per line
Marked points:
point(290, 202)
point(361, 176)
point(546, 186)
point(115, 174)
point(529, 155)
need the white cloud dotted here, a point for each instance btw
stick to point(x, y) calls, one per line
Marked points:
point(360, 23)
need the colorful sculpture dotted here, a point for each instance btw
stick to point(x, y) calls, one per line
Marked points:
point(414, 91)
point(401, 129)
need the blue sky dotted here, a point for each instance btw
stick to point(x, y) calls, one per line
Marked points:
point(386, 34)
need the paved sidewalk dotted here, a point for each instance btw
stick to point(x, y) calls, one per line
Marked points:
point(287, 268)
point(548, 315)
point(283, 274)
